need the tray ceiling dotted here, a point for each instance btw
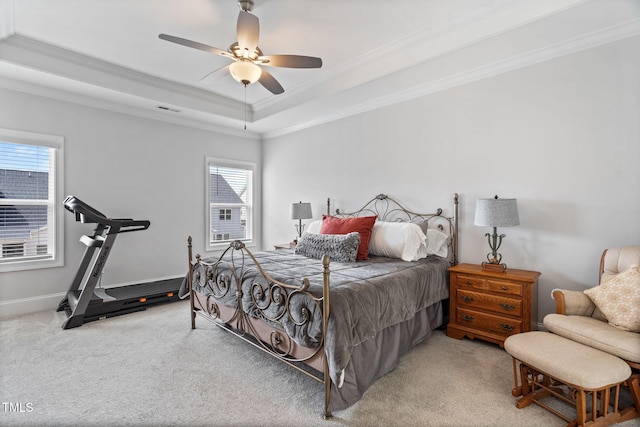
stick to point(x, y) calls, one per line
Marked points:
point(107, 53)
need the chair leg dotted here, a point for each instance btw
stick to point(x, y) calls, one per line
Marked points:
point(581, 407)
point(517, 389)
point(526, 391)
point(631, 412)
point(605, 399)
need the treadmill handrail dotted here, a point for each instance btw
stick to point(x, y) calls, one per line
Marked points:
point(88, 214)
point(135, 225)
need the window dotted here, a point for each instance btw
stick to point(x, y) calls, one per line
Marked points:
point(30, 200)
point(230, 201)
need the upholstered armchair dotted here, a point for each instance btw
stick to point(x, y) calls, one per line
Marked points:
point(611, 323)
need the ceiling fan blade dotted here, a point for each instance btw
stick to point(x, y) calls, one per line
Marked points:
point(248, 31)
point(270, 83)
point(215, 75)
point(194, 45)
point(292, 61)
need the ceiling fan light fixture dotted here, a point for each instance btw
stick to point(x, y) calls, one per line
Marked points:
point(245, 72)
point(246, 54)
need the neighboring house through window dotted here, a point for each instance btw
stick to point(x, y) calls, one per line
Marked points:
point(230, 197)
point(30, 200)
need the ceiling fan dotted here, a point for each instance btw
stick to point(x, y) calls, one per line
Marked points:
point(246, 55)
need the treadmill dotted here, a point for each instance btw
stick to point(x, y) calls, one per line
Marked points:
point(84, 302)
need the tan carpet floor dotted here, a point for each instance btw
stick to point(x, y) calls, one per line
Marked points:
point(150, 369)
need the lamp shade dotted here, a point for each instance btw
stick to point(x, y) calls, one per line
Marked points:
point(301, 211)
point(497, 212)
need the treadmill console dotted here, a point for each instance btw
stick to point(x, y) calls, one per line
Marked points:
point(84, 213)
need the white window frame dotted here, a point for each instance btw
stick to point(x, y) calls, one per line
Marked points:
point(56, 197)
point(238, 164)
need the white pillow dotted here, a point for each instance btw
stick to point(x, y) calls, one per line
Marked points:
point(402, 240)
point(314, 227)
point(437, 243)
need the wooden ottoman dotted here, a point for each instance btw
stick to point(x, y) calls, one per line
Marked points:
point(548, 361)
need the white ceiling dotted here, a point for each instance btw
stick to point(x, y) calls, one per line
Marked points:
point(107, 53)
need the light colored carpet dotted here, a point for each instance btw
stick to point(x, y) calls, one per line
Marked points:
point(150, 368)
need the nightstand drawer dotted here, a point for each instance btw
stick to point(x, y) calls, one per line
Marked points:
point(499, 286)
point(470, 282)
point(488, 302)
point(502, 286)
point(488, 322)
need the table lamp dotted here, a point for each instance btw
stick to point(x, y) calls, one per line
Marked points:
point(496, 213)
point(300, 211)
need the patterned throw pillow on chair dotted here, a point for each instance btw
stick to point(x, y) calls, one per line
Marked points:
point(619, 299)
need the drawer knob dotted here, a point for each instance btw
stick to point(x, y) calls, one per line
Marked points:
point(504, 288)
point(469, 282)
point(507, 307)
point(467, 298)
point(507, 327)
point(467, 318)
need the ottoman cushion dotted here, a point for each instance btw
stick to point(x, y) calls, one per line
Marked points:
point(567, 361)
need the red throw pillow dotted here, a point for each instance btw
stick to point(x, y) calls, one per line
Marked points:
point(362, 225)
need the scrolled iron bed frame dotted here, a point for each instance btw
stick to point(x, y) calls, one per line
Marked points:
point(263, 334)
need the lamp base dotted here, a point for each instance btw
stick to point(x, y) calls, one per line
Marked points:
point(494, 267)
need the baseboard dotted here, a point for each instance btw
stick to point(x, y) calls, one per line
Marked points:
point(22, 306)
point(17, 307)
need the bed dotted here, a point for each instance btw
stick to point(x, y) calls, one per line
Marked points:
point(343, 322)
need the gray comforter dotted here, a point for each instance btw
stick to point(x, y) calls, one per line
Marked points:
point(366, 297)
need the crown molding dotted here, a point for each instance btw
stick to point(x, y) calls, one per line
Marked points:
point(594, 39)
point(470, 25)
point(210, 123)
point(56, 61)
point(383, 60)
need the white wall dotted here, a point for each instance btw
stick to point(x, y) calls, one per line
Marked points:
point(562, 136)
point(126, 167)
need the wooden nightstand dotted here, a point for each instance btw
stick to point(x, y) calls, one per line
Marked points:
point(491, 305)
point(289, 245)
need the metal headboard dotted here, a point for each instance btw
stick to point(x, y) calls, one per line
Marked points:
point(389, 209)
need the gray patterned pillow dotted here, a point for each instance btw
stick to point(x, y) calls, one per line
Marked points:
point(339, 247)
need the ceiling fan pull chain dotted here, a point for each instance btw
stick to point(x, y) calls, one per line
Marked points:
point(245, 107)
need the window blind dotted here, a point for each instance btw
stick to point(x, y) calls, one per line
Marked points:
point(27, 193)
point(230, 202)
